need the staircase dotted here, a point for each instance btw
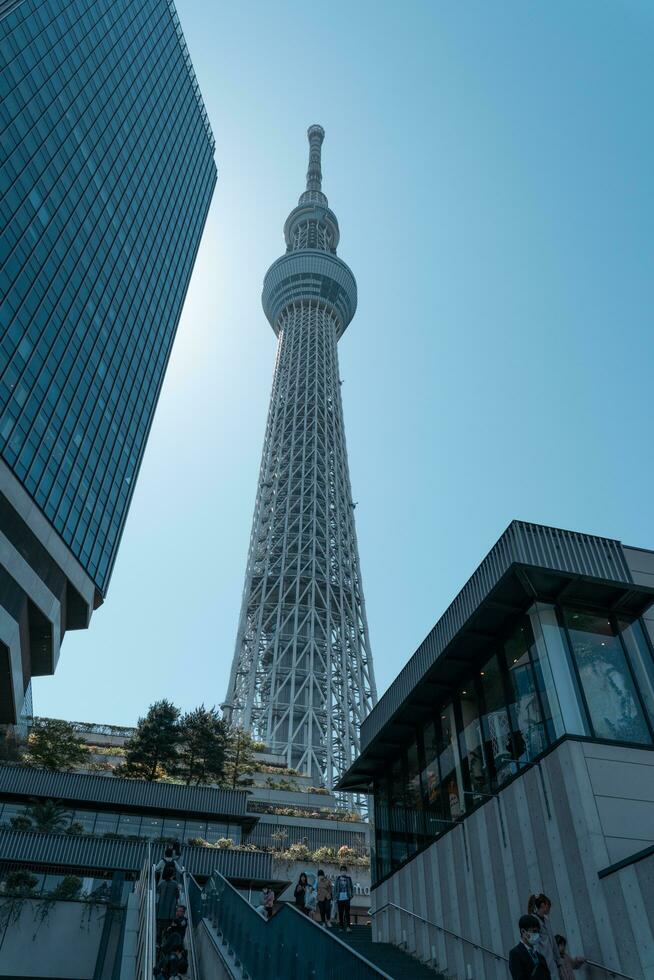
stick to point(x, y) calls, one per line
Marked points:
point(387, 957)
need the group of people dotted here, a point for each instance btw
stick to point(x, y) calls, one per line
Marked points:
point(320, 900)
point(172, 959)
point(541, 954)
point(323, 902)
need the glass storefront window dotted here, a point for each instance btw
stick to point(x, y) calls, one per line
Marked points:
point(413, 798)
point(529, 733)
point(215, 831)
point(496, 724)
point(613, 704)
point(472, 746)
point(173, 829)
point(129, 825)
point(436, 814)
point(558, 676)
point(10, 810)
point(106, 823)
point(450, 764)
point(641, 660)
point(86, 819)
point(399, 851)
point(195, 829)
point(151, 827)
point(382, 827)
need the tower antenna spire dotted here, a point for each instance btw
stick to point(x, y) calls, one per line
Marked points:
point(315, 135)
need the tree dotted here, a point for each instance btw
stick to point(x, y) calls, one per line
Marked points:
point(53, 744)
point(152, 750)
point(240, 760)
point(203, 746)
point(48, 816)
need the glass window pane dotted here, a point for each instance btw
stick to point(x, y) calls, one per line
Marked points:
point(194, 829)
point(399, 852)
point(432, 788)
point(450, 764)
point(496, 723)
point(615, 712)
point(413, 795)
point(106, 823)
point(382, 828)
point(642, 663)
point(472, 746)
point(129, 825)
point(215, 831)
point(86, 820)
point(152, 827)
point(529, 733)
point(173, 829)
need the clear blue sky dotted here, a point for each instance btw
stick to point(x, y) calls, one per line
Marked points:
point(491, 168)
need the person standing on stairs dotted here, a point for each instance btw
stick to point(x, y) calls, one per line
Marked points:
point(324, 896)
point(541, 906)
point(344, 890)
point(525, 960)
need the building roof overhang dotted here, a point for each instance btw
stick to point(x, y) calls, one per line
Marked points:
point(564, 566)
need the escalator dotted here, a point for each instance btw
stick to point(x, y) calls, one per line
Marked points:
point(146, 959)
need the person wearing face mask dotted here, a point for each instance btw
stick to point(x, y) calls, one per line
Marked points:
point(541, 906)
point(525, 960)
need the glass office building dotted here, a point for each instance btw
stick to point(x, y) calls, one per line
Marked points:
point(106, 176)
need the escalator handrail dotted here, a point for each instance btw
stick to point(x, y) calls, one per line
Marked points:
point(187, 880)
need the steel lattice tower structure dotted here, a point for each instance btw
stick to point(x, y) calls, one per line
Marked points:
point(302, 676)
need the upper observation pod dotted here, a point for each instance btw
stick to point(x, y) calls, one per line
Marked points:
point(310, 270)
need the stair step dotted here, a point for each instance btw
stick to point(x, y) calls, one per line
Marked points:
point(389, 958)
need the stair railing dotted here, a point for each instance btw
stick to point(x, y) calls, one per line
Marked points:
point(289, 945)
point(465, 942)
point(498, 957)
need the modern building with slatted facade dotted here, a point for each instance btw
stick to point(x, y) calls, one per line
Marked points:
point(514, 754)
point(106, 176)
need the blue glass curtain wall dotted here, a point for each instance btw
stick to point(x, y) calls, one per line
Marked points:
point(106, 175)
point(558, 671)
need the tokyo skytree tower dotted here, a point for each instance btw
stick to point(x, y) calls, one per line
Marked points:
point(302, 677)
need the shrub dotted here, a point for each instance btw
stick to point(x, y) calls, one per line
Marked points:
point(75, 828)
point(346, 854)
point(327, 854)
point(298, 852)
point(224, 842)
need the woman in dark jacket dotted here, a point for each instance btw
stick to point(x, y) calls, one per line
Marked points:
point(301, 893)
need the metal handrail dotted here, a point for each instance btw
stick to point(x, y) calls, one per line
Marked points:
point(264, 946)
point(189, 930)
point(498, 956)
point(448, 932)
point(335, 938)
point(607, 969)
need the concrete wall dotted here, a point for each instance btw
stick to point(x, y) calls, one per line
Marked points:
point(551, 830)
point(64, 944)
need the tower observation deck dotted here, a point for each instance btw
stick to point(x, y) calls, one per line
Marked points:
point(302, 676)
